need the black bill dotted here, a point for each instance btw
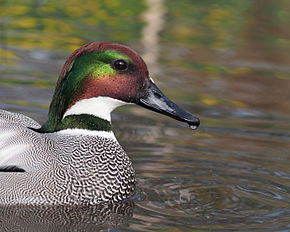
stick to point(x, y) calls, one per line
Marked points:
point(156, 101)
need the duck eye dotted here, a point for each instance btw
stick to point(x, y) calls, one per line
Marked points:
point(120, 65)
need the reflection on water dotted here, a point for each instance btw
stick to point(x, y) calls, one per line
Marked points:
point(226, 62)
point(154, 18)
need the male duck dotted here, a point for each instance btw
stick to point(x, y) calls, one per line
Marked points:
point(74, 158)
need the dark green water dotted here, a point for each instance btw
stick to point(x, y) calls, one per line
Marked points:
point(225, 61)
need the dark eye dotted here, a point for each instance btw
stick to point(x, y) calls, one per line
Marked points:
point(120, 65)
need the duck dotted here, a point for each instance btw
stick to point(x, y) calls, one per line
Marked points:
point(74, 157)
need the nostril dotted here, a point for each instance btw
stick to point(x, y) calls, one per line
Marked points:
point(156, 94)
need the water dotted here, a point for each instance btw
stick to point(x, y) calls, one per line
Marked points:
point(226, 62)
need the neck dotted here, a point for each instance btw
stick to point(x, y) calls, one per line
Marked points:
point(79, 121)
point(89, 114)
point(100, 107)
point(84, 121)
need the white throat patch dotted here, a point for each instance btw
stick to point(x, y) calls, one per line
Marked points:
point(98, 106)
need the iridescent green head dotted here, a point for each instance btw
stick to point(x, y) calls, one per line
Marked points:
point(97, 78)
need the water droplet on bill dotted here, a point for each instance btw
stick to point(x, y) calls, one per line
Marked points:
point(193, 127)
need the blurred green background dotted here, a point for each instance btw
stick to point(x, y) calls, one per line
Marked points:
point(206, 44)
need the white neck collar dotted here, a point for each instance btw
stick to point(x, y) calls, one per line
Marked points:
point(97, 106)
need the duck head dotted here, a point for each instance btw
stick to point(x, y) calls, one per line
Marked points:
point(97, 78)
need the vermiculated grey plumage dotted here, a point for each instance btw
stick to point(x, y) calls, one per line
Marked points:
point(47, 218)
point(61, 168)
